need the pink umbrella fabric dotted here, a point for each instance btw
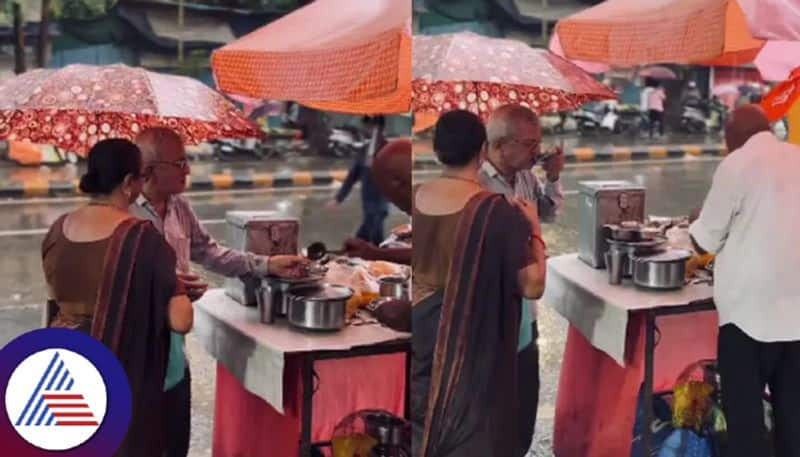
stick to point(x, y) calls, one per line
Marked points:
point(777, 60)
point(585, 65)
point(469, 71)
point(76, 106)
point(773, 19)
point(658, 72)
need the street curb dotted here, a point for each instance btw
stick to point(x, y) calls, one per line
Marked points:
point(619, 153)
point(238, 180)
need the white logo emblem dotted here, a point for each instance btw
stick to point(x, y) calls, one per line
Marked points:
point(56, 399)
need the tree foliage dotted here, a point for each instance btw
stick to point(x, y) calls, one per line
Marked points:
point(81, 9)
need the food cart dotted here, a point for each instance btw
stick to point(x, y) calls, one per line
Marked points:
point(622, 337)
point(288, 367)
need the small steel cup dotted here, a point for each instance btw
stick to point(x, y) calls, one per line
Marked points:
point(266, 312)
point(615, 260)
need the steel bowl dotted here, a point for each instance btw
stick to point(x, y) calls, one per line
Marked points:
point(663, 271)
point(318, 306)
point(394, 287)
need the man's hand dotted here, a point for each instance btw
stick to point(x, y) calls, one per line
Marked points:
point(288, 266)
point(195, 287)
point(356, 247)
point(554, 164)
point(331, 205)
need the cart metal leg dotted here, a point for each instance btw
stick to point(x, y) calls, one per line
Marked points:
point(649, 356)
point(308, 400)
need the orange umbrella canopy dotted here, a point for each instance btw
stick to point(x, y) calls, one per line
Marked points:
point(636, 32)
point(335, 54)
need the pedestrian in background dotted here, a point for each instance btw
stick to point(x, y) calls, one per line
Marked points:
point(655, 107)
point(374, 206)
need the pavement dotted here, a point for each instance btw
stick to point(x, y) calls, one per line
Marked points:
point(302, 170)
point(674, 187)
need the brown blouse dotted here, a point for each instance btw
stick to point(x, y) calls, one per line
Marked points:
point(73, 270)
point(434, 247)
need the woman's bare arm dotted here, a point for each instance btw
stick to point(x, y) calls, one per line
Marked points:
point(181, 314)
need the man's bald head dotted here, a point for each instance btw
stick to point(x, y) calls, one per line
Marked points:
point(505, 121)
point(155, 141)
point(165, 164)
point(391, 170)
point(745, 121)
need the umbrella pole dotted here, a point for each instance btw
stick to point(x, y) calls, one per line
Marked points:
point(19, 39)
point(180, 28)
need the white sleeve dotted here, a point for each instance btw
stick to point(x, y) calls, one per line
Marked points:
point(723, 203)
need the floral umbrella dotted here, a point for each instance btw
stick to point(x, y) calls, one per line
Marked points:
point(76, 106)
point(469, 71)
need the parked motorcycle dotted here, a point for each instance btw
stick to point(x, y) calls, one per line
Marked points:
point(590, 118)
point(345, 142)
point(703, 116)
point(225, 149)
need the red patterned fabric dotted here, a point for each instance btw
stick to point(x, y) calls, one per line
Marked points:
point(469, 71)
point(76, 106)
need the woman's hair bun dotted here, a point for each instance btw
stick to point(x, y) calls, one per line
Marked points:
point(90, 183)
point(110, 161)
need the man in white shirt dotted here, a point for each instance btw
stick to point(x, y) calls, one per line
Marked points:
point(514, 139)
point(750, 220)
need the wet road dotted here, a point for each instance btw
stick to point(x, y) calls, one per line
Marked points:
point(674, 188)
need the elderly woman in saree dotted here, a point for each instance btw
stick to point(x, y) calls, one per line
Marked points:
point(113, 276)
point(476, 254)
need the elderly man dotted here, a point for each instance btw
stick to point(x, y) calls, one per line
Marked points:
point(749, 220)
point(165, 171)
point(514, 139)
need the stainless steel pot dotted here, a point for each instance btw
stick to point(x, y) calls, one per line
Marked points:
point(632, 249)
point(318, 307)
point(666, 270)
point(632, 233)
point(394, 287)
point(275, 292)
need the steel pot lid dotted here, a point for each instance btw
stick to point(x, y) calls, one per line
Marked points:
point(658, 240)
point(307, 280)
point(671, 255)
point(321, 292)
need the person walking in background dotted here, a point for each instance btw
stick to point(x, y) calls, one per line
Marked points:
point(476, 254)
point(391, 171)
point(165, 171)
point(113, 276)
point(374, 206)
point(655, 107)
point(514, 139)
